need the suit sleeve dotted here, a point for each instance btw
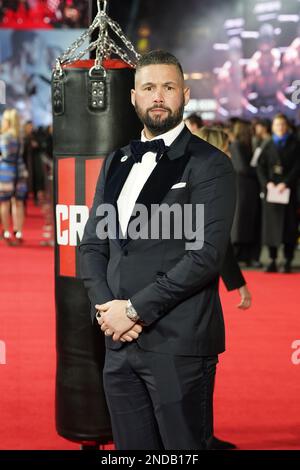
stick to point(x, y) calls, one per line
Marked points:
point(231, 273)
point(94, 252)
point(262, 169)
point(212, 184)
point(294, 173)
point(240, 160)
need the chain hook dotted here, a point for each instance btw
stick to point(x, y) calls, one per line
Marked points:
point(102, 8)
point(58, 72)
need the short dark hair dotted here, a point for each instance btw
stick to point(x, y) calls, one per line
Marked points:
point(159, 57)
point(266, 123)
point(194, 118)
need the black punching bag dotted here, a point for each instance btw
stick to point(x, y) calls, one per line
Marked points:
point(92, 116)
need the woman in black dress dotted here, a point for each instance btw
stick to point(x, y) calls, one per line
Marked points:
point(246, 227)
point(279, 168)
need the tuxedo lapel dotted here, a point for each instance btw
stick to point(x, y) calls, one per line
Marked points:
point(166, 173)
point(117, 174)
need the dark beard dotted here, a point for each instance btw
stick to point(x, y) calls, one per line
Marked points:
point(157, 125)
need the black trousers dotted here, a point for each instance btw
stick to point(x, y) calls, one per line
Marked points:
point(289, 249)
point(159, 401)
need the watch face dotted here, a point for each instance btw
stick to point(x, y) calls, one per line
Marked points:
point(131, 314)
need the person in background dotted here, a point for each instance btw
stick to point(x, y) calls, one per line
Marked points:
point(262, 133)
point(47, 208)
point(228, 127)
point(230, 273)
point(74, 13)
point(13, 185)
point(194, 122)
point(245, 234)
point(279, 168)
point(32, 154)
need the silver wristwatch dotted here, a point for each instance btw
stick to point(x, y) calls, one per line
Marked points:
point(131, 312)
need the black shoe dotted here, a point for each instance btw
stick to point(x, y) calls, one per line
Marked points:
point(218, 444)
point(287, 268)
point(271, 268)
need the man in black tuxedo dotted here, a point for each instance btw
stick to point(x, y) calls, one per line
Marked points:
point(156, 297)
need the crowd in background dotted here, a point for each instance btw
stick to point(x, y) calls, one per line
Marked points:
point(265, 156)
point(266, 159)
point(43, 13)
point(26, 169)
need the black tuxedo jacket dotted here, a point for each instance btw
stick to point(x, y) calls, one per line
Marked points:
point(174, 290)
point(231, 273)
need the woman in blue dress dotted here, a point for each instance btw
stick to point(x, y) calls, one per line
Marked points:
point(13, 175)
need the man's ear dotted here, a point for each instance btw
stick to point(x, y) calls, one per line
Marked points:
point(133, 97)
point(187, 95)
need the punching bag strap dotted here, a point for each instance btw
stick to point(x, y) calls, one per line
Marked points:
point(97, 89)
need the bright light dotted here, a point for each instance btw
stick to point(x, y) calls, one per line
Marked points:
point(282, 49)
point(207, 105)
point(196, 76)
point(250, 34)
point(244, 61)
point(268, 17)
point(267, 7)
point(219, 46)
point(208, 116)
point(288, 18)
point(234, 23)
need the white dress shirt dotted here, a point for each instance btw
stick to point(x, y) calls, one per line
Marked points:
point(138, 176)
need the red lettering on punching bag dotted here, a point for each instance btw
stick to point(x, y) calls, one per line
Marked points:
point(66, 195)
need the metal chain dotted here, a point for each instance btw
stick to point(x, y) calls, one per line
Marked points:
point(117, 50)
point(65, 57)
point(104, 45)
point(100, 52)
point(118, 31)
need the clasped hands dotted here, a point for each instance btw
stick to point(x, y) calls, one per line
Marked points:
point(280, 186)
point(114, 322)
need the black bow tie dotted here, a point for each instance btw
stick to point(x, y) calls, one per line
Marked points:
point(139, 148)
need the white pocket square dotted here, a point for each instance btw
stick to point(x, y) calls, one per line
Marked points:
point(178, 185)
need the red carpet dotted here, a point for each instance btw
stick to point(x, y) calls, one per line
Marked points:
point(28, 329)
point(258, 388)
